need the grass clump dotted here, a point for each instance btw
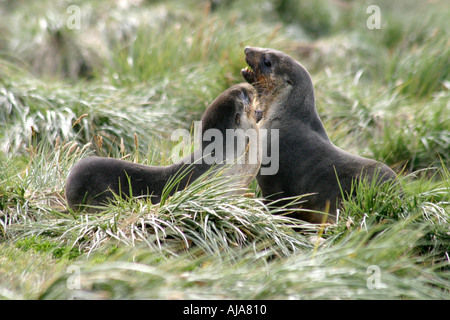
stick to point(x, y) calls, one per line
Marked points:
point(338, 271)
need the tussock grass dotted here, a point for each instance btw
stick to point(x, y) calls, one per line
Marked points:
point(333, 272)
point(44, 114)
point(407, 134)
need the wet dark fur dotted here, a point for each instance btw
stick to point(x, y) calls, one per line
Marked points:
point(309, 161)
point(93, 180)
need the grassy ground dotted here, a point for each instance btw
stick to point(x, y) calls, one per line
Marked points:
point(118, 80)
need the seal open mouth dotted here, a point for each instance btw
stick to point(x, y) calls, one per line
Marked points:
point(245, 99)
point(248, 74)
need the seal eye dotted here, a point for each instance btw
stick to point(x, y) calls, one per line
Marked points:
point(238, 119)
point(267, 63)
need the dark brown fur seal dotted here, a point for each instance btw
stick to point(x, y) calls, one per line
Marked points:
point(308, 161)
point(93, 180)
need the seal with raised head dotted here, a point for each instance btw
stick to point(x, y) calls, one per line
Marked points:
point(229, 118)
point(309, 163)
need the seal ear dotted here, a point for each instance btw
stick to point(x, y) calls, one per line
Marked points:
point(237, 120)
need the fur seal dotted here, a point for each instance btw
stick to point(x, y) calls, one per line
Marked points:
point(93, 180)
point(309, 163)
